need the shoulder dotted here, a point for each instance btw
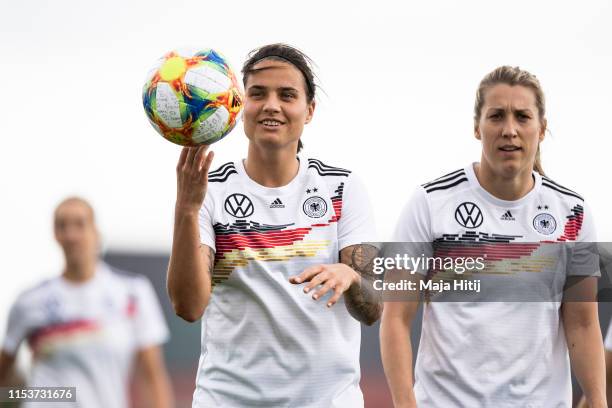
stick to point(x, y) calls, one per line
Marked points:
point(340, 181)
point(336, 178)
point(449, 183)
point(222, 173)
point(27, 300)
point(40, 289)
point(326, 170)
point(552, 187)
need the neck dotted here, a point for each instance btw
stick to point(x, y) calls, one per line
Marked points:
point(82, 271)
point(271, 167)
point(509, 187)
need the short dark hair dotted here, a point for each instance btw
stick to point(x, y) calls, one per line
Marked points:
point(285, 53)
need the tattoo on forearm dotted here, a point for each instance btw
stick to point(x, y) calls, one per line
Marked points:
point(362, 301)
point(211, 261)
point(211, 258)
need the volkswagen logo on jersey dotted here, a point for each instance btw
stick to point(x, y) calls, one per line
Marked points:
point(545, 223)
point(239, 205)
point(468, 215)
point(315, 207)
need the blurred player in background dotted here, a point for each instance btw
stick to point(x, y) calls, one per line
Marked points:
point(491, 353)
point(279, 237)
point(87, 327)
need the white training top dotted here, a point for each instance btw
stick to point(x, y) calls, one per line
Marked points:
point(264, 342)
point(85, 335)
point(492, 353)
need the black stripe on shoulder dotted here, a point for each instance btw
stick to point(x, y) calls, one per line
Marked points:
point(445, 186)
point(324, 167)
point(325, 170)
point(222, 173)
point(222, 178)
point(221, 169)
point(544, 178)
point(441, 180)
point(449, 174)
point(329, 173)
point(556, 188)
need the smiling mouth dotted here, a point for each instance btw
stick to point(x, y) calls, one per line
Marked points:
point(270, 122)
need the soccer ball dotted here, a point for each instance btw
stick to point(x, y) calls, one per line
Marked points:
point(192, 98)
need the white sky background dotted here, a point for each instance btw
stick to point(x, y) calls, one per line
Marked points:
point(399, 81)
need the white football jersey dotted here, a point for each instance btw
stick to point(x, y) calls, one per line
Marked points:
point(85, 335)
point(265, 343)
point(492, 349)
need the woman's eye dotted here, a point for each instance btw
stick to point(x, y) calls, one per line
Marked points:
point(523, 117)
point(288, 95)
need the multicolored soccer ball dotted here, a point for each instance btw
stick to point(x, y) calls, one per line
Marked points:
point(192, 98)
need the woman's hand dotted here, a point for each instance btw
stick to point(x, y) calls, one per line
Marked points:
point(192, 177)
point(336, 277)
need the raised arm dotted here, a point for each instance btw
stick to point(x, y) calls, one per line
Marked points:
point(190, 267)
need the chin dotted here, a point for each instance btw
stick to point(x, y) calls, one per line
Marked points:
point(76, 257)
point(271, 141)
point(509, 169)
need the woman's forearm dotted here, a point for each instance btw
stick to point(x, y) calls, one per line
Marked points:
point(396, 353)
point(189, 269)
point(586, 352)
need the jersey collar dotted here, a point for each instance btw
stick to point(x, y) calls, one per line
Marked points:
point(471, 175)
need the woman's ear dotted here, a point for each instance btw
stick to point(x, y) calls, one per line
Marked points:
point(311, 109)
point(544, 124)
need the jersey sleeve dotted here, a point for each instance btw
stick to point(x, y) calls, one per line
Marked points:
point(16, 328)
point(414, 224)
point(356, 224)
point(150, 326)
point(207, 233)
point(584, 260)
point(413, 234)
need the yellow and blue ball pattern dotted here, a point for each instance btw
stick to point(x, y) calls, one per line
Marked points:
point(192, 98)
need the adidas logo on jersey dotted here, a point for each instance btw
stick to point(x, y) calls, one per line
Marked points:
point(277, 204)
point(507, 216)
